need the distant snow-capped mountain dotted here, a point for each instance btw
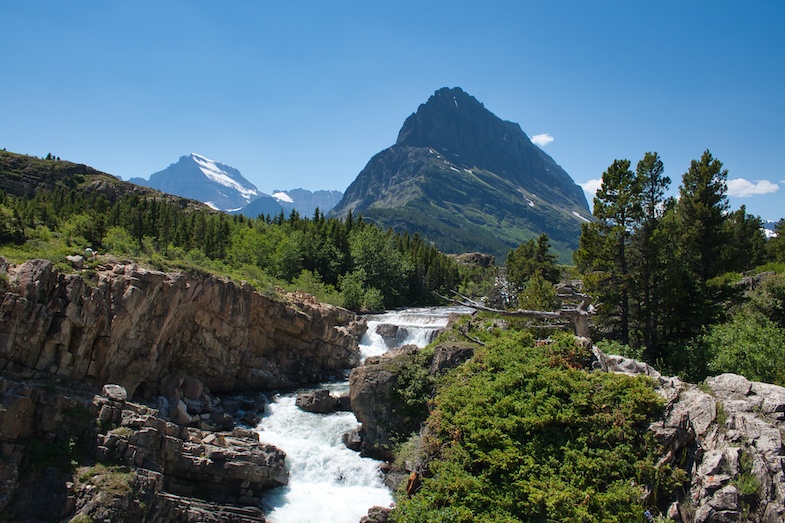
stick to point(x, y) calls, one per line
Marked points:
point(306, 202)
point(195, 176)
point(768, 228)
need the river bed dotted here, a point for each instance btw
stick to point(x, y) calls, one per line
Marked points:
point(329, 483)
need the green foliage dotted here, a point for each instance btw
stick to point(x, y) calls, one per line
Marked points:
point(663, 271)
point(120, 241)
point(775, 247)
point(66, 214)
point(531, 258)
point(751, 345)
point(538, 294)
point(527, 435)
point(620, 349)
point(114, 480)
point(312, 283)
point(353, 289)
point(412, 391)
point(768, 299)
point(702, 215)
point(60, 454)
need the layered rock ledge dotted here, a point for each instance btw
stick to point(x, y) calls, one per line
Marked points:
point(157, 444)
point(138, 328)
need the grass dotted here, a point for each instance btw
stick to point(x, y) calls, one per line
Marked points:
point(112, 479)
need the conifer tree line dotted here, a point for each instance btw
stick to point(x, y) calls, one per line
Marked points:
point(662, 268)
point(362, 265)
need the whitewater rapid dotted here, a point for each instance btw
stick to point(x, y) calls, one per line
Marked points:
point(329, 483)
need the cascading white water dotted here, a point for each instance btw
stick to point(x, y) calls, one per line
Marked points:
point(329, 483)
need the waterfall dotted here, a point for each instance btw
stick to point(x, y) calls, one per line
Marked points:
point(329, 483)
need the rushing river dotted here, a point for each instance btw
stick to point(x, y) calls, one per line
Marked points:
point(329, 483)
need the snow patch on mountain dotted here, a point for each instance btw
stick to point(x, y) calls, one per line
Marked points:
point(213, 172)
point(282, 197)
point(581, 217)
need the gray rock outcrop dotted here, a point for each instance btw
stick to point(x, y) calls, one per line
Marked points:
point(143, 467)
point(138, 328)
point(728, 435)
point(373, 395)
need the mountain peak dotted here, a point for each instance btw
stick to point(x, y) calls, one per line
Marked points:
point(200, 178)
point(469, 181)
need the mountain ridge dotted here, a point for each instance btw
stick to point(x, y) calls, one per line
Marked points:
point(195, 176)
point(467, 180)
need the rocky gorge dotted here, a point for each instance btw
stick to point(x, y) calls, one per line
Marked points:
point(110, 390)
point(186, 356)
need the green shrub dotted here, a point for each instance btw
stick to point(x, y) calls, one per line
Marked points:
point(527, 434)
point(750, 345)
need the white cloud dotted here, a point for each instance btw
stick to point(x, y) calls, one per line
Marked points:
point(542, 139)
point(742, 188)
point(591, 186)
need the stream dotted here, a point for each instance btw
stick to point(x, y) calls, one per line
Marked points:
point(329, 483)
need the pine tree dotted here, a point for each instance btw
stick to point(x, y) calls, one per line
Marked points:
point(603, 250)
point(649, 245)
point(702, 211)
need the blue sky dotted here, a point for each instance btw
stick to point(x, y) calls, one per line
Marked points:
point(304, 93)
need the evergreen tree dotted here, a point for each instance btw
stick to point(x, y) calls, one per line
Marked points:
point(747, 246)
point(649, 246)
point(703, 235)
point(603, 251)
point(775, 247)
point(701, 209)
point(528, 259)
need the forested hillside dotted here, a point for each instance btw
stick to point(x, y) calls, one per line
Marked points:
point(684, 284)
point(346, 261)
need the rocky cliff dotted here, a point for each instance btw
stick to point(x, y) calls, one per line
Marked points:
point(173, 339)
point(137, 327)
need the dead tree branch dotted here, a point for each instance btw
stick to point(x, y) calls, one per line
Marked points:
point(577, 317)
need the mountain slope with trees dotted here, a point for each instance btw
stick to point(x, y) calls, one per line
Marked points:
point(345, 261)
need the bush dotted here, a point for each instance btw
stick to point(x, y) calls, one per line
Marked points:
point(751, 345)
point(525, 435)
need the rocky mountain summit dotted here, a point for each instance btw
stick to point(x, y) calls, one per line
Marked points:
point(194, 176)
point(468, 181)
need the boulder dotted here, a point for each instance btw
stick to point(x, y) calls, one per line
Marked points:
point(320, 402)
point(343, 403)
point(77, 261)
point(353, 440)
point(114, 392)
point(377, 515)
point(371, 391)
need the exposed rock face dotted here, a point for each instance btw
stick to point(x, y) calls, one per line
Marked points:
point(138, 328)
point(374, 401)
point(227, 467)
point(147, 468)
point(731, 436)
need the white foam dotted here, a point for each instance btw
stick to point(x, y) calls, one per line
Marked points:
point(327, 481)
